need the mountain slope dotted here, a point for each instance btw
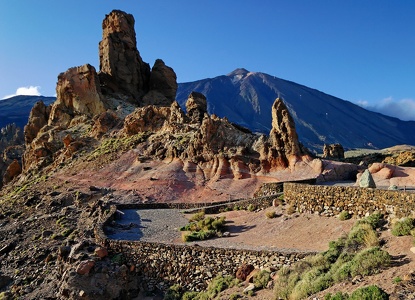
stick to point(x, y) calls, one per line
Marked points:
point(17, 109)
point(246, 98)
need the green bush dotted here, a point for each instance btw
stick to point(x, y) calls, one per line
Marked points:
point(369, 262)
point(403, 227)
point(261, 279)
point(371, 292)
point(174, 292)
point(197, 217)
point(251, 207)
point(346, 257)
point(337, 296)
point(374, 220)
point(344, 215)
point(202, 228)
point(365, 293)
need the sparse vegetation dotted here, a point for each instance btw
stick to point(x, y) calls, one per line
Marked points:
point(344, 215)
point(261, 279)
point(201, 228)
point(356, 254)
point(403, 227)
point(271, 214)
point(365, 293)
point(251, 207)
point(291, 209)
point(218, 284)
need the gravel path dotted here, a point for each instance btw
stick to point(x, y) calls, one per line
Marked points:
point(150, 225)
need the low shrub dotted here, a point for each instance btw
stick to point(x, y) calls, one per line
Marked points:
point(355, 254)
point(251, 207)
point(403, 227)
point(365, 293)
point(261, 279)
point(375, 220)
point(271, 214)
point(197, 217)
point(344, 215)
point(202, 228)
point(291, 209)
point(371, 292)
point(174, 292)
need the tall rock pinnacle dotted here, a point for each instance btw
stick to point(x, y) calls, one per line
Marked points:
point(121, 67)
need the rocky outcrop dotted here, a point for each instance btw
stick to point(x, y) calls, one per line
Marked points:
point(163, 85)
point(283, 149)
point(196, 107)
point(38, 118)
point(12, 171)
point(333, 151)
point(121, 68)
point(10, 135)
point(78, 93)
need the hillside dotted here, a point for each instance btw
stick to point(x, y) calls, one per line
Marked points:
point(17, 109)
point(245, 97)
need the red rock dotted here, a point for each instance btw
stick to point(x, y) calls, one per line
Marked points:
point(101, 252)
point(85, 267)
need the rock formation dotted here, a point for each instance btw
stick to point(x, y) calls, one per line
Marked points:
point(121, 67)
point(78, 93)
point(196, 107)
point(283, 140)
point(333, 151)
point(163, 85)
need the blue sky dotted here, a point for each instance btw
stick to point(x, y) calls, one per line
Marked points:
point(358, 50)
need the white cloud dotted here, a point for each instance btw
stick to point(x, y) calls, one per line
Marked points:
point(26, 90)
point(403, 109)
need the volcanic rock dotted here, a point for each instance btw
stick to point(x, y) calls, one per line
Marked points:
point(366, 180)
point(85, 267)
point(196, 107)
point(38, 118)
point(12, 171)
point(333, 151)
point(121, 67)
point(163, 85)
point(78, 93)
point(243, 271)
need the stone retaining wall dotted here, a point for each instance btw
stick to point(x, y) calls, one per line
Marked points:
point(191, 266)
point(331, 200)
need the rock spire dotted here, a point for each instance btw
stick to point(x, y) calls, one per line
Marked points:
point(121, 67)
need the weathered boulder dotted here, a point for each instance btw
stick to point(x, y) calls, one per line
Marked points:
point(85, 267)
point(12, 171)
point(78, 93)
point(196, 107)
point(243, 271)
point(366, 180)
point(163, 85)
point(333, 151)
point(103, 123)
point(121, 67)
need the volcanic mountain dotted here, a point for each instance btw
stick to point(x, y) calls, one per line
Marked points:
point(245, 97)
point(16, 109)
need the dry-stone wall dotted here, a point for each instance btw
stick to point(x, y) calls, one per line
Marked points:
point(331, 200)
point(191, 266)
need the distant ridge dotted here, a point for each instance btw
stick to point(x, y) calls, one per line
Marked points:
point(17, 109)
point(246, 97)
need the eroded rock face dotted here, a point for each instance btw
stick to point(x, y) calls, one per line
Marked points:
point(196, 107)
point(333, 151)
point(38, 118)
point(78, 93)
point(121, 67)
point(163, 85)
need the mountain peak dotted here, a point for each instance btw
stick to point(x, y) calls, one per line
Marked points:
point(239, 71)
